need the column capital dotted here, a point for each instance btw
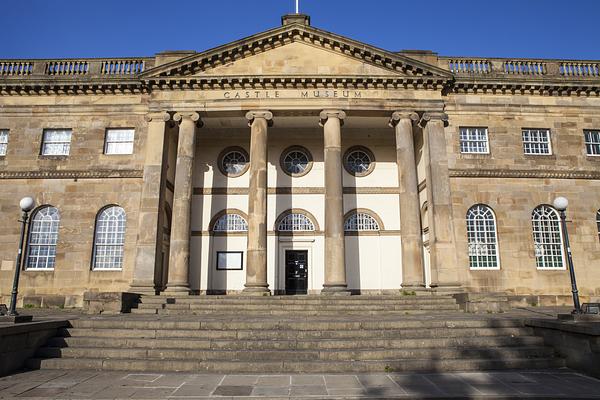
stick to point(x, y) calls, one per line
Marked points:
point(192, 115)
point(400, 115)
point(434, 116)
point(254, 114)
point(157, 116)
point(326, 114)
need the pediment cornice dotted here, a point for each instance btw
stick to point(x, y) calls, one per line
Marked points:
point(399, 66)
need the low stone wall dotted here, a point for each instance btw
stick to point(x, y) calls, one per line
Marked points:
point(18, 342)
point(577, 342)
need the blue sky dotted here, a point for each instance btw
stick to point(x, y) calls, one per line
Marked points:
point(117, 28)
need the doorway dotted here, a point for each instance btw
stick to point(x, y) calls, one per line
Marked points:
point(296, 272)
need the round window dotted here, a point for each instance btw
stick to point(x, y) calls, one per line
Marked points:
point(296, 161)
point(233, 161)
point(359, 161)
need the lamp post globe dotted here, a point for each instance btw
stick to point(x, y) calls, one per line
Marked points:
point(560, 203)
point(27, 204)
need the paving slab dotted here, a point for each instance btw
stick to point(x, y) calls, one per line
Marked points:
point(564, 384)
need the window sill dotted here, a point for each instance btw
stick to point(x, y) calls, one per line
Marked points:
point(589, 157)
point(51, 157)
point(38, 270)
point(551, 268)
point(542, 156)
point(484, 268)
point(107, 269)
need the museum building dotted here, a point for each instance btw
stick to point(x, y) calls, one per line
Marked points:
point(298, 161)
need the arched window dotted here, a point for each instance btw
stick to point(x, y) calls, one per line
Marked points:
point(295, 222)
point(43, 235)
point(230, 223)
point(482, 237)
point(109, 238)
point(598, 223)
point(547, 237)
point(360, 221)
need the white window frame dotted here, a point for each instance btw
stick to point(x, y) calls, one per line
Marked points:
point(530, 141)
point(45, 227)
point(3, 141)
point(471, 137)
point(361, 222)
point(592, 143)
point(230, 222)
point(66, 144)
point(598, 223)
point(539, 259)
point(482, 236)
point(295, 222)
point(116, 142)
point(114, 226)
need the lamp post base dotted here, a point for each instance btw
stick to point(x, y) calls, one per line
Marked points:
point(16, 319)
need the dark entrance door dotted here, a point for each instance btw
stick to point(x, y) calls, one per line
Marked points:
point(296, 271)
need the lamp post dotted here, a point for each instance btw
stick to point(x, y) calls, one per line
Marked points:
point(561, 203)
point(27, 204)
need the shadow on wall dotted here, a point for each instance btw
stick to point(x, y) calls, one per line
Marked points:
point(283, 202)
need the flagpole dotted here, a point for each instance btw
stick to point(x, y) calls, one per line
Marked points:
point(296, 6)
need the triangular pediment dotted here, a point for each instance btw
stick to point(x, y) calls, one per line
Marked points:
point(297, 50)
point(297, 59)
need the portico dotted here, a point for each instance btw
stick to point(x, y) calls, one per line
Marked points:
point(327, 193)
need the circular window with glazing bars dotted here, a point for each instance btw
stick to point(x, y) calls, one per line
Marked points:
point(296, 161)
point(233, 162)
point(359, 161)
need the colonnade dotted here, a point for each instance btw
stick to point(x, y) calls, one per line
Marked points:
point(403, 123)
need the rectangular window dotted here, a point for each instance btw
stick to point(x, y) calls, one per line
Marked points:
point(3, 141)
point(592, 142)
point(232, 260)
point(56, 142)
point(536, 141)
point(474, 140)
point(119, 141)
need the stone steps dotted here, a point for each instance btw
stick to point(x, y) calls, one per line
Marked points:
point(264, 324)
point(292, 366)
point(296, 354)
point(290, 344)
point(281, 313)
point(296, 334)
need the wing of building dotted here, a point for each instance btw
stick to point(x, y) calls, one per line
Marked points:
point(299, 161)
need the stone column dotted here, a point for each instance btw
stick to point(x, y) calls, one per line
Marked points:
point(256, 266)
point(410, 212)
point(442, 247)
point(179, 248)
point(335, 266)
point(148, 244)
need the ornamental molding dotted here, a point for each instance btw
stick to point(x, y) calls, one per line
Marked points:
point(500, 173)
point(73, 174)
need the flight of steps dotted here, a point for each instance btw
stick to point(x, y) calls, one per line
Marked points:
point(295, 305)
point(296, 334)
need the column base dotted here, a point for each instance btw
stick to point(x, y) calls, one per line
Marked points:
point(416, 289)
point(142, 288)
point(176, 289)
point(335, 290)
point(256, 290)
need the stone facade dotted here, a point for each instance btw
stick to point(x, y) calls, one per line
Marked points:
point(299, 86)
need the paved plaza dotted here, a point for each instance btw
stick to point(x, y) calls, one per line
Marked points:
point(40, 384)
